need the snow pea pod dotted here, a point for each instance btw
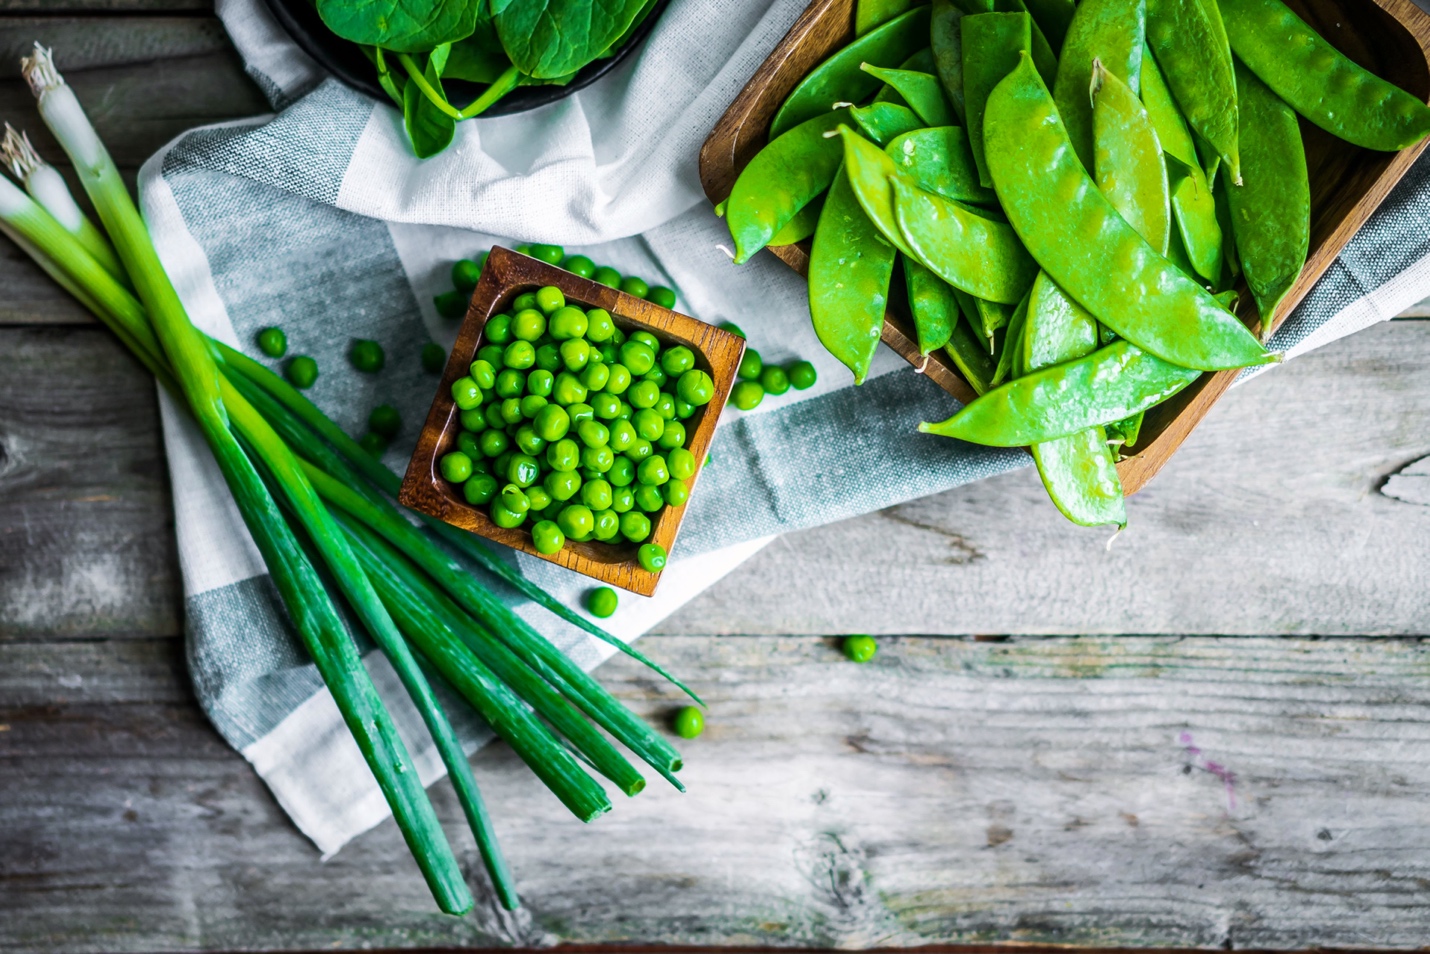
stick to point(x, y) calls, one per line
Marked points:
point(839, 78)
point(781, 179)
point(946, 43)
point(1130, 170)
point(869, 14)
point(1271, 212)
point(938, 160)
point(992, 43)
point(1108, 30)
point(992, 317)
point(1196, 62)
point(1172, 132)
point(970, 357)
point(870, 172)
point(1088, 249)
point(933, 305)
point(1195, 209)
point(922, 91)
point(801, 226)
point(1107, 385)
point(1012, 342)
point(982, 256)
point(850, 265)
point(882, 122)
point(1320, 83)
point(1228, 237)
point(1059, 329)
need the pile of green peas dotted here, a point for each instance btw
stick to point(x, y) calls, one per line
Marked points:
point(575, 427)
point(755, 379)
point(467, 272)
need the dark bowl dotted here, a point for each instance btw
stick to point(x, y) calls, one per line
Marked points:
point(347, 62)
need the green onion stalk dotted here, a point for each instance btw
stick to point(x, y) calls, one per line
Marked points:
point(281, 455)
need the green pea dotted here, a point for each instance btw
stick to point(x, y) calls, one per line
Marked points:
point(688, 723)
point(550, 254)
point(504, 517)
point(596, 494)
point(620, 379)
point(661, 296)
point(673, 436)
point(526, 301)
point(547, 537)
point(455, 466)
point(637, 356)
point(747, 395)
point(681, 463)
point(569, 389)
point(607, 525)
point(1073, 232)
point(528, 441)
point(548, 357)
point(550, 299)
point(622, 472)
point(510, 383)
point(653, 470)
point(581, 412)
point(651, 557)
point(623, 498)
point(273, 342)
point(627, 412)
point(492, 411)
point(640, 450)
point(649, 498)
point(595, 377)
point(579, 265)
point(781, 179)
point(302, 371)
point(551, 422)
point(860, 648)
point(635, 526)
point(465, 275)
point(491, 354)
point(593, 433)
point(601, 602)
point(569, 322)
point(599, 458)
point(677, 360)
point(665, 407)
point(623, 435)
point(498, 329)
point(531, 405)
point(520, 355)
point(1112, 31)
point(576, 520)
point(731, 327)
point(494, 442)
point(502, 464)
point(523, 470)
point(562, 485)
point(635, 287)
point(452, 304)
point(468, 444)
point(511, 411)
point(643, 394)
point(479, 488)
point(750, 365)
point(675, 492)
point(656, 376)
point(563, 455)
point(695, 387)
point(528, 325)
point(385, 420)
point(513, 499)
point(684, 409)
point(606, 406)
point(840, 80)
point(599, 326)
point(649, 424)
point(465, 393)
point(538, 497)
point(575, 354)
point(540, 383)
point(608, 276)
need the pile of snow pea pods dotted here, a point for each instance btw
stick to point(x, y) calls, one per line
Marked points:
point(1071, 191)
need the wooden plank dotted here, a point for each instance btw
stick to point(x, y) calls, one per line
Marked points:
point(73, 7)
point(1269, 521)
point(1209, 792)
point(86, 528)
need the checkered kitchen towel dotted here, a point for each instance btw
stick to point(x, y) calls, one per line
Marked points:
point(318, 219)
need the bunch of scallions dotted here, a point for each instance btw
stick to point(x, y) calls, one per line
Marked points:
point(318, 508)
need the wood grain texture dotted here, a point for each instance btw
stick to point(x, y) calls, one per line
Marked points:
point(1236, 793)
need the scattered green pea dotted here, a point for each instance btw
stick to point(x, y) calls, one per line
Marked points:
point(465, 275)
point(662, 296)
point(731, 327)
point(651, 557)
point(634, 286)
point(374, 444)
point(273, 342)
point(860, 648)
point(602, 602)
point(608, 276)
point(434, 358)
point(695, 387)
point(802, 375)
point(688, 722)
point(385, 420)
point(302, 371)
point(547, 537)
point(579, 265)
point(774, 379)
point(452, 304)
point(550, 254)
point(747, 395)
point(750, 365)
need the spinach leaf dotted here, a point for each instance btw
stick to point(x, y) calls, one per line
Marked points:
point(551, 38)
point(479, 58)
point(430, 129)
point(402, 26)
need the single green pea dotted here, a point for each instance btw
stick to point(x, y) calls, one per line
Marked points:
point(540, 383)
point(601, 602)
point(665, 407)
point(684, 409)
point(653, 470)
point(651, 557)
point(608, 276)
point(750, 365)
point(302, 371)
point(688, 723)
point(528, 325)
point(643, 394)
point(596, 376)
point(656, 376)
point(552, 511)
point(385, 420)
point(623, 435)
point(523, 302)
point(569, 389)
point(520, 355)
point(479, 488)
point(747, 395)
point(731, 327)
point(620, 379)
point(579, 265)
point(550, 254)
point(575, 354)
point(498, 329)
point(568, 322)
point(677, 360)
point(538, 496)
point(661, 296)
point(647, 339)
point(510, 383)
point(576, 520)
point(531, 405)
point(492, 410)
point(465, 275)
point(434, 358)
point(599, 326)
point(528, 441)
point(695, 387)
point(474, 420)
point(562, 485)
point(623, 499)
point(609, 351)
point(649, 424)
point(452, 304)
point(622, 472)
point(600, 459)
point(681, 463)
point(465, 393)
point(494, 442)
point(581, 412)
point(637, 356)
point(563, 455)
point(593, 433)
point(627, 412)
point(491, 354)
point(547, 537)
point(511, 410)
point(596, 494)
point(802, 375)
point(550, 299)
point(500, 466)
point(673, 436)
point(635, 526)
point(273, 342)
point(455, 466)
point(523, 470)
point(513, 499)
point(860, 648)
point(548, 357)
point(634, 286)
point(468, 444)
point(640, 450)
point(675, 492)
point(774, 379)
point(482, 372)
point(606, 406)
point(504, 517)
point(608, 525)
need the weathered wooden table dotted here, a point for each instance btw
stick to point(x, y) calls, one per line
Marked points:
point(1252, 771)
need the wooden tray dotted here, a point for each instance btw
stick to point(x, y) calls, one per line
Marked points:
point(506, 275)
point(1389, 37)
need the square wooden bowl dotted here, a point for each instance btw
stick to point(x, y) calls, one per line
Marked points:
point(1389, 37)
point(506, 275)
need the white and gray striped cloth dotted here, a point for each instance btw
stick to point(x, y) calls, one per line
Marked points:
point(318, 219)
